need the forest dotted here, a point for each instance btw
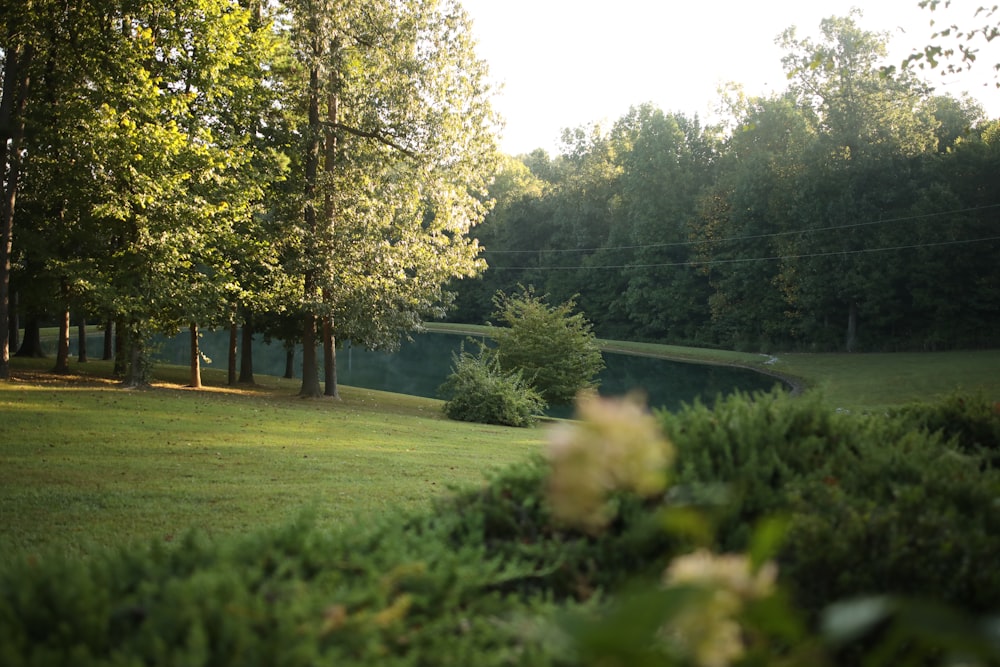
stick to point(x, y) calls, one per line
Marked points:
point(314, 172)
point(856, 211)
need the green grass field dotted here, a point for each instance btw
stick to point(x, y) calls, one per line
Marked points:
point(85, 463)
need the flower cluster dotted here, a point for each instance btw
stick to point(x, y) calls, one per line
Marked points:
point(616, 445)
point(709, 632)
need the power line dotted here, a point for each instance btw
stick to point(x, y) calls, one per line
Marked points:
point(713, 262)
point(751, 237)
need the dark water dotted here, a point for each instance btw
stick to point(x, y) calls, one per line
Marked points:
point(420, 367)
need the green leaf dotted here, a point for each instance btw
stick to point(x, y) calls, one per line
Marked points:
point(767, 539)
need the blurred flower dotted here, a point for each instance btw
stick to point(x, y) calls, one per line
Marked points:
point(616, 445)
point(708, 630)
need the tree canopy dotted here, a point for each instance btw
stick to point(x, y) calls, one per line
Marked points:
point(855, 210)
point(193, 163)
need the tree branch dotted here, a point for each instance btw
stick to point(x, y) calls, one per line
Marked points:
point(376, 135)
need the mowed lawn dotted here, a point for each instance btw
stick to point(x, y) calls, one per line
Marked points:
point(85, 463)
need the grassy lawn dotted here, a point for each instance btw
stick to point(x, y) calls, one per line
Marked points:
point(85, 463)
point(857, 382)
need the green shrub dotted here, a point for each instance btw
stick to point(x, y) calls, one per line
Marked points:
point(553, 347)
point(972, 421)
point(510, 517)
point(478, 390)
point(875, 505)
point(397, 593)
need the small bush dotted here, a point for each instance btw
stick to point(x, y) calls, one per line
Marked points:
point(478, 390)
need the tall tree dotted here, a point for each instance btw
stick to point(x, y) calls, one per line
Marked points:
point(743, 218)
point(867, 126)
point(666, 160)
point(398, 149)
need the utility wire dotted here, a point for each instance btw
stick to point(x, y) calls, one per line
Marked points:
point(751, 237)
point(713, 262)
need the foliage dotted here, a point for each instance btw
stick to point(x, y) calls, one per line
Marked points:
point(478, 390)
point(553, 347)
point(972, 422)
point(864, 495)
point(514, 572)
point(853, 210)
point(963, 38)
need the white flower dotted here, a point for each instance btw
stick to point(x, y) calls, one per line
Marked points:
point(616, 444)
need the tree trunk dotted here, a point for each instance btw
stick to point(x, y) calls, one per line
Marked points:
point(81, 340)
point(852, 326)
point(14, 100)
point(31, 344)
point(195, 357)
point(246, 353)
point(289, 361)
point(329, 360)
point(231, 379)
point(310, 371)
point(62, 345)
point(121, 346)
point(329, 166)
point(109, 347)
point(14, 324)
point(137, 373)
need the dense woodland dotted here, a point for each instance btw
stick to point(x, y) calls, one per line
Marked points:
point(312, 170)
point(855, 211)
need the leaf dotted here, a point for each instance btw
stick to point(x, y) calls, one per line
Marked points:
point(767, 539)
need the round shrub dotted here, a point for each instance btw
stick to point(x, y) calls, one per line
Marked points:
point(478, 390)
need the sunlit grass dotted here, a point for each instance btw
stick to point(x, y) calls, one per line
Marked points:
point(85, 463)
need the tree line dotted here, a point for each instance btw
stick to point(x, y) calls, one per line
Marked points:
point(855, 210)
point(306, 169)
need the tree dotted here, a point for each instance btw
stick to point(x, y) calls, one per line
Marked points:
point(554, 348)
point(32, 35)
point(742, 217)
point(869, 127)
point(666, 160)
point(398, 149)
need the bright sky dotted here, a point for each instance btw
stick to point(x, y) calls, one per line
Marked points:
point(567, 63)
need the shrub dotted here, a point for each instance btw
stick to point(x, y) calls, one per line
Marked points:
point(555, 349)
point(874, 504)
point(478, 390)
point(973, 422)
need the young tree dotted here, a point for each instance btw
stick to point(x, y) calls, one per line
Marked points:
point(554, 348)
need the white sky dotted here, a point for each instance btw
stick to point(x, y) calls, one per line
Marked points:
point(567, 63)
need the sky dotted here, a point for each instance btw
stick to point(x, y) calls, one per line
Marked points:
point(571, 63)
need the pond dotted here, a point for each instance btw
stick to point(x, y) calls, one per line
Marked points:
point(421, 365)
